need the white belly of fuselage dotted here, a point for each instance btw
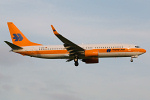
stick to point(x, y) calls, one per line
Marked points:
point(100, 55)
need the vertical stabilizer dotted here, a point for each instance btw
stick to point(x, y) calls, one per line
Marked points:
point(18, 37)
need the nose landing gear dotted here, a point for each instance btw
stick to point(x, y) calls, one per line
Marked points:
point(131, 59)
point(136, 56)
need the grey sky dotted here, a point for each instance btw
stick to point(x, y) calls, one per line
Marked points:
point(81, 21)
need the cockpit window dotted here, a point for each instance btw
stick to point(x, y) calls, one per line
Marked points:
point(137, 46)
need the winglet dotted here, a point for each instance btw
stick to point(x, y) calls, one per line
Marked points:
point(55, 32)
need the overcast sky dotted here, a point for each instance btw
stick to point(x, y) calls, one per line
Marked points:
point(83, 22)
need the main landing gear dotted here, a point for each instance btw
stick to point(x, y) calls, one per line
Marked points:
point(76, 61)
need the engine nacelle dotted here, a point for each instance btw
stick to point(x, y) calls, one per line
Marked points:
point(91, 60)
point(91, 53)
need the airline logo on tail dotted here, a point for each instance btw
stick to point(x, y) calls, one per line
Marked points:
point(17, 37)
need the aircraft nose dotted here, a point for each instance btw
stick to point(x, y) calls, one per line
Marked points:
point(143, 50)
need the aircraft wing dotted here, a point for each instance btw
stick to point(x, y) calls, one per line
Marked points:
point(71, 47)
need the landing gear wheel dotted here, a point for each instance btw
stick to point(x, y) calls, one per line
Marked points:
point(76, 63)
point(75, 59)
point(131, 60)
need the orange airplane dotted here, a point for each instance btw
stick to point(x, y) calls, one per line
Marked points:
point(89, 53)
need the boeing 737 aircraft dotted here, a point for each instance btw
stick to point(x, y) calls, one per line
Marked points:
point(70, 51)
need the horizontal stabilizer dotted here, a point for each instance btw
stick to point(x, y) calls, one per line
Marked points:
point(13, 46)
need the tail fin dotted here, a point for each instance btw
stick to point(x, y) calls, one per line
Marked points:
point(18, 37)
